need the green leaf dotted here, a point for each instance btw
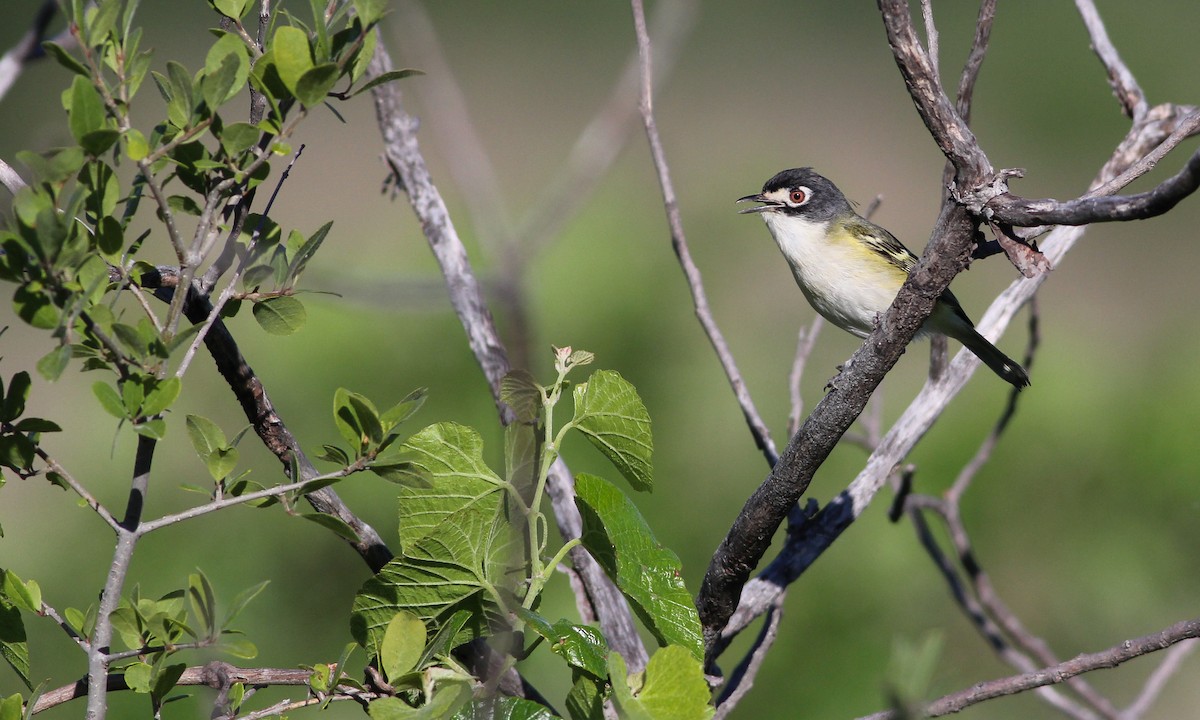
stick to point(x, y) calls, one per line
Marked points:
point(37, 425)
point(233, 9)
point(221, 462)
point(315, 84)
point(86, 113)
point(281, 315)
point(205, 435)
point(472, 552)
point(357, 419)
point(26, 595)
point(520, 392)
point(448, 698)
point(13, 645)
point(388, 76)
point(674, 688)
point(402, 645)
point(292, 55)
point(238, 137)
point(241, 601)
point(334, 454)
point(204, 603)
point(98, 141)
point(504, 707)
point(226, 69)
point(306, 252)
point(11, 706)
point(238, 647)
point(153, 429)
point(585, 701)
point(610, 413)
point(109, 399)
point(35, 308)
point(66, 59)
point(162, 395)
point(136, 145)
point(647, 573)
point(582, 646)
point(165, 679)
point(404, 409)
point(14, 401)
point(369, 11)
point(17, 452)
point(450, 458)
point(53, 363)
point(138, 677)
point(179, 109)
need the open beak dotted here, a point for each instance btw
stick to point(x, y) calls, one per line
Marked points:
point(767, 204)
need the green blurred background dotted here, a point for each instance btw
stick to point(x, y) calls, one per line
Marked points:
point(1087, 518)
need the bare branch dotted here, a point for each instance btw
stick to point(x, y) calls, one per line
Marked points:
point(29, 47)
point(970, 72)
point(1124, 85)
point(762, 436)
point(806, 340)
point(1171, 662)
point(1110, 658)
point(742, 678)
point(10, 178)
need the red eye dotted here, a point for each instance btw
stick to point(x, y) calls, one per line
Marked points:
point(798, 197)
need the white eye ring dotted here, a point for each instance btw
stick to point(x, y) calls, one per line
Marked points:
point(798, 196)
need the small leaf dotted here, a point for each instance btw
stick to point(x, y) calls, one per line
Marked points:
point(204, 603)
point(37, 425)
point(369, 11)
point(226, 69)
point(161, 396)
point(281, 315)
point(404, 409)
point(14, 400)
point(306, 251)
point(315, 84)
point(153, 429)
point(66, 59)
point(221, 462)
point(238, 137)
point(86, 113)
point(233, 9)
point(136, 145)
point(334, 454)
point(402, 645)
point(26, 595)
point(205, 435)
point(138, 676)
point(581, 646)
point(387, 77)
point(241, 601)
point(109, 399)
point(238, 647)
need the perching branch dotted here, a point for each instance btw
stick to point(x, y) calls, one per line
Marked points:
point(764, 512)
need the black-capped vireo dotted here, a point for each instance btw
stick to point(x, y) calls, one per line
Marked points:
point(850, 269)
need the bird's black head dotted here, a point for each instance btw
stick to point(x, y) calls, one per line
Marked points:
point(800, 192)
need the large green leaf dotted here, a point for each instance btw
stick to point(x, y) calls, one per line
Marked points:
point(649, 574)
point(674, 688)
point(449, 458)
point(471, 551)
point(610, 413)
point(504, 707)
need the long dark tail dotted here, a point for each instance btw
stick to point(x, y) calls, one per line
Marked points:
point(1008, 369)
